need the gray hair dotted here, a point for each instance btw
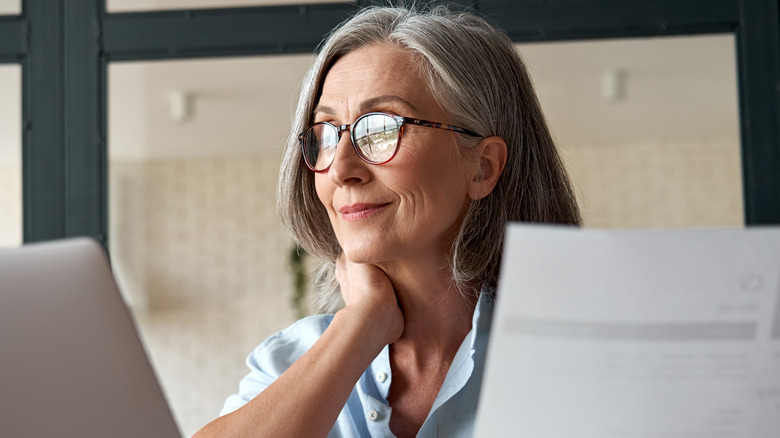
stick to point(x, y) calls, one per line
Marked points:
point(474, 72)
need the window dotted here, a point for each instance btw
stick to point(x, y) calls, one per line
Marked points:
point(150, 5)
point(197, 246)
point(10, 156)
point(10, 7)
point(648, 128)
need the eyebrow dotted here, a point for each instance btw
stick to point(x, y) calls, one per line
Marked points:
point(368, 104)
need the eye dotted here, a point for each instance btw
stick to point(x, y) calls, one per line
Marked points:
point(383, 110)
point(325, 120)
point(324, 116)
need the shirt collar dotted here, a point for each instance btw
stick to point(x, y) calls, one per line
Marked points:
point(483, 315)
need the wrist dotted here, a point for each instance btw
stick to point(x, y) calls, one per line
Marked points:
point(373, 329)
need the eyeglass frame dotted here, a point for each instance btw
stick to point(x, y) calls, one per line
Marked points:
point(400, 120)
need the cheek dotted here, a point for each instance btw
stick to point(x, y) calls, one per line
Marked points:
point(444, 177)
point(433, 194)
point(324, 190)
point(320, 186)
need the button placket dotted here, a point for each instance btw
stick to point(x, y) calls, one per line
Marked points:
point(377, 417)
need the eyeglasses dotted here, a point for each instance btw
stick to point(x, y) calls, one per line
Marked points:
point(375, 137)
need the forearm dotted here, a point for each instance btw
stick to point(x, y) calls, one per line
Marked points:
point(307, 398)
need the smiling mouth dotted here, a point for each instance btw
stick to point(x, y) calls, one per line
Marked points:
point(359, 211)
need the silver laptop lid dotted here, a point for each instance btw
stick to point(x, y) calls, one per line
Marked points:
point(71, 362)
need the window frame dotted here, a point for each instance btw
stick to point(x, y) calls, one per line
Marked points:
point(64, 47)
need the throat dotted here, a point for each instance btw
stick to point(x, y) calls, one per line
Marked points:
point(417, 381)
point(412, 396)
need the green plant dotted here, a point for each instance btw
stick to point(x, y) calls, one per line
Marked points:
point(297, 261)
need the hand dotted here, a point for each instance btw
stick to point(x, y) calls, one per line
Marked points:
point(368, 294)
point(370, 320)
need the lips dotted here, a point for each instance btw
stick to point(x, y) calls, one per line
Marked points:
point(361, 210)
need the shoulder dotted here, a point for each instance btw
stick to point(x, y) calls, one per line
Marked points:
point(283, 348)
point(272, 358)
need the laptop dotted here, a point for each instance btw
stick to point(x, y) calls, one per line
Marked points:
point(72, 364)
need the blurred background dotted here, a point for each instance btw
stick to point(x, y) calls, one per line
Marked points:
point(648, 129)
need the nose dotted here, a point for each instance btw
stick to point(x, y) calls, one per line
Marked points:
point(347, 167)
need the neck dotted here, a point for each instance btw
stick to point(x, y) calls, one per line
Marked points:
point(437, 317)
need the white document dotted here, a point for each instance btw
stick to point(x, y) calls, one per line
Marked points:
point(635, 334)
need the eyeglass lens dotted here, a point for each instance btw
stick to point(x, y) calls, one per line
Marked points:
point(375, 137)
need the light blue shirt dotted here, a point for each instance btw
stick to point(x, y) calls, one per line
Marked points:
point(367, 412)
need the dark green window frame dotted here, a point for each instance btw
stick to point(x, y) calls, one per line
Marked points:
point(64, 47)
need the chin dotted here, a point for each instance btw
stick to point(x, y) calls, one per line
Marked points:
point(364, 254)
point(362, 257)
point(367, 247)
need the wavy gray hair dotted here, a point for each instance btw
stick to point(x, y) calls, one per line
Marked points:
point(476, 75)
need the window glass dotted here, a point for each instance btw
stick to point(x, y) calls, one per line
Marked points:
point(648, 128)
point(148, 5)
point(10, 7)
point(198, 249)
point(10, 156)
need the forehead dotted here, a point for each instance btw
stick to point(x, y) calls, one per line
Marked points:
point(371, 71)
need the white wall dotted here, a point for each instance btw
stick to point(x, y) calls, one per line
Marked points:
point(10, 155)
point(202, 257)
point(143, 5)
point(10, 7)
point(198, 249)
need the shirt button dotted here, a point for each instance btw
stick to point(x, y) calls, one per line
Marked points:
point(381, 377)
point(372, 415)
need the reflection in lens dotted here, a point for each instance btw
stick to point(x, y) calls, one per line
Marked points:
point(377, 137)
point(320, 146)
point(360, 132)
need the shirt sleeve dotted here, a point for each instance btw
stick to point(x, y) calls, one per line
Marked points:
point(274, 356)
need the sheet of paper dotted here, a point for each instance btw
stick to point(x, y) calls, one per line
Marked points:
point(635, 334)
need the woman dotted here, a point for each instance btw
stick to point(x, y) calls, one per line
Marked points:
point(421, 137)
